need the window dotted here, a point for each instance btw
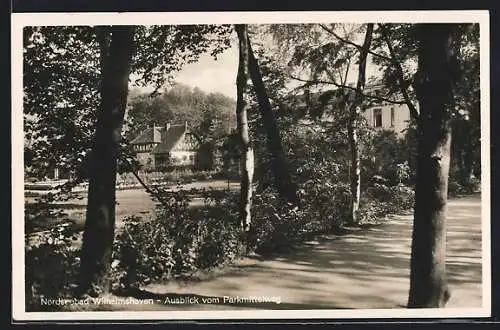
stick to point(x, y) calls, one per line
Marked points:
point(377, 117)
point(184, 157)
point(392, 117)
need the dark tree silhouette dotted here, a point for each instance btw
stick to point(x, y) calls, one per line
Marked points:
point(279, 164)
point(117, 44)
point(435, 82)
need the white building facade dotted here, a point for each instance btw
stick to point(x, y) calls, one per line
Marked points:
point(394, 117)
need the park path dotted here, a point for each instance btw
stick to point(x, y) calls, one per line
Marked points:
point(363, 269)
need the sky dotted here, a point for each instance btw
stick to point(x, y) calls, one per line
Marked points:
point(212, 76)
point(219, 75)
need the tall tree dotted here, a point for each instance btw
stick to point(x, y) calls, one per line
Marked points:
point(284, 183)
point(434, 87)
point(247, 157)
point(117, 44)
point(327, 55)
point(352, 124)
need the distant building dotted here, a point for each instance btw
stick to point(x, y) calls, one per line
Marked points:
point(383, 116)
point(168, 146)
point(394, 117)
point(386, 116)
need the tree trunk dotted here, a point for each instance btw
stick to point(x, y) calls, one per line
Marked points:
point(247, 159)
point(428, 286)
point(355, 173)
point(100, 222)
point(279, 164)
point(352, 126)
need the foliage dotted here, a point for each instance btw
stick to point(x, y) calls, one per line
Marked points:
point(276, 225)
point(209, 115)
point(167, 48)
point(387, 156)
point(62, 79)
point(402, 40)
point(182, 239)
point(177, 242)
point(51, 264)
point(457, 186)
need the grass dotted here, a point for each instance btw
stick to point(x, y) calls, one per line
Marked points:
point(129, 202)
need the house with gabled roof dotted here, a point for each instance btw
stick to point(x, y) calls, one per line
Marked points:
point(168, 146)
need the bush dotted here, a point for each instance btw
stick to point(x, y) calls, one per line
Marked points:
point(278, 225)
point(388, 156)
point(51, 265)
point(391, 199)
point(275, 225)
point(457, 186)
point(177, 242)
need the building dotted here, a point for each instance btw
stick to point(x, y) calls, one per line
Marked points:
point(383, 116)
point(168, 146)
point(394, 117)
point(387, 116)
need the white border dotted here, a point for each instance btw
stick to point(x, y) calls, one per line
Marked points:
point(18, 21)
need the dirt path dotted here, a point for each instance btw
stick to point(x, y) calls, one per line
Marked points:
point(364, 269)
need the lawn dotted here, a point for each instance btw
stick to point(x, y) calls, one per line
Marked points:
point(129, 202)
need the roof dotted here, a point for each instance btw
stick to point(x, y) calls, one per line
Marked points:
point(169, 138)
point(149, 135)
point(165, 138)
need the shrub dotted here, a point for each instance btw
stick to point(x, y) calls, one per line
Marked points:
point(457, 186)
point(176, 242)
point(388, 156)
point(51, 264)
point(275, 225)
point(390, 199)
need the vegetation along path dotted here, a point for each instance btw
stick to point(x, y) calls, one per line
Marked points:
point(362, 269)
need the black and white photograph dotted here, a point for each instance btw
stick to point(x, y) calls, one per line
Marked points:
point(251, 165)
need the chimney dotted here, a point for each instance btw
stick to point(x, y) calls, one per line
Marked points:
point(185, 125)
point(167, 126)
point(156, 134)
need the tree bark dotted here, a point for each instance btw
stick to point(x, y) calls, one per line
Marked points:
point(279, 164)
point(247, 157)
point(352, 125)
point(116, 54)
point(428, 286)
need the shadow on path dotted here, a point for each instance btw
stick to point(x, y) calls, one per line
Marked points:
point(368, 268)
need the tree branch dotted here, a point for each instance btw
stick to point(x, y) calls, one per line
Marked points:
point(155, 194)
point(358, 47)
point(397, 64)
point(373, 97)
point(346, 72)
